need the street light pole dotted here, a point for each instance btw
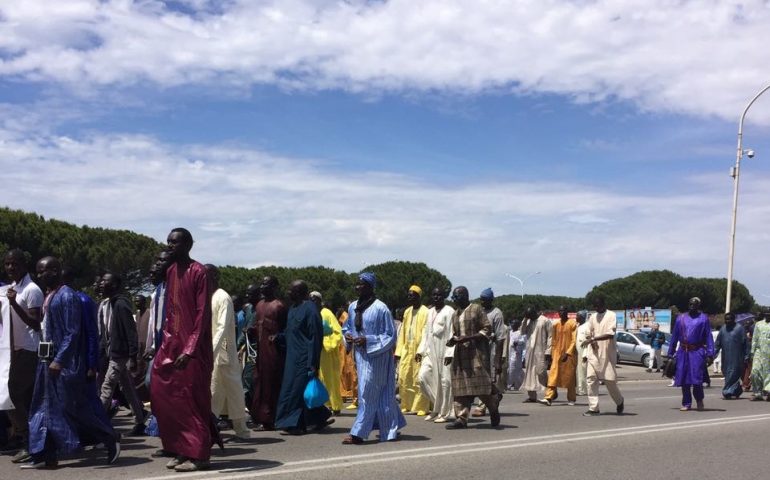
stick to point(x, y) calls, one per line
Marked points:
point(521, 282)
point(735, 173)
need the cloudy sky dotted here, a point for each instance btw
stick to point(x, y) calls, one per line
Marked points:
point(585, 140)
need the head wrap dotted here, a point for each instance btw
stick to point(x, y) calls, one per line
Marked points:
point(583, 313)
point(416, 289)
point(315, 294)
point(487, 294)
point(694, 299)
point(369, 278)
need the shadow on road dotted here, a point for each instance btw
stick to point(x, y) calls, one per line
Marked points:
point(236, 465)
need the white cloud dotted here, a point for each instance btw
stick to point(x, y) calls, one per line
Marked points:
point(695, 57)
point(247, 207)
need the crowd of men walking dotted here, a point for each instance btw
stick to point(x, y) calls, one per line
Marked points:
point(208, 361)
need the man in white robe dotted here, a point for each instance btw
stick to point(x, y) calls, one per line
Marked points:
point(537, 330)
point(435, 377)
point(601, 357)
point(516, 344)
point(582, 367)
point(226, 388)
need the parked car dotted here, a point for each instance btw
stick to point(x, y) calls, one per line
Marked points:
point(634, 347)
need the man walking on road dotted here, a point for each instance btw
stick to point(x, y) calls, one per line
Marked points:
point(732, 342)
point(657, 339)
point(760, 354)
point(537, 330)
point(413, 400)
point(563, 363)
point(469, 357)
point(694, 347)
point(601, 357)
point(582, 367)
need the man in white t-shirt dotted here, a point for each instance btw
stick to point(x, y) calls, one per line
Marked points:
point(20, 306)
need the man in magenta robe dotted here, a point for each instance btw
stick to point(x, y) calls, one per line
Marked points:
point(267, 332)
point(181, 371)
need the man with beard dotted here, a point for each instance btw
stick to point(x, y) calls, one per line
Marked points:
point(371, 332)
point(269, 324)
point(469, 357)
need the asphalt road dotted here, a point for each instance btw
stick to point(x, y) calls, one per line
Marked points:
point(651, 440)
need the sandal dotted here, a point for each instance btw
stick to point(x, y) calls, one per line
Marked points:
point(352, 440)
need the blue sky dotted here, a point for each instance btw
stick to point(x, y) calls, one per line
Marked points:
point(585, 140)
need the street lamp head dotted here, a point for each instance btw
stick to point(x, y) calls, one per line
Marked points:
point(749, 153)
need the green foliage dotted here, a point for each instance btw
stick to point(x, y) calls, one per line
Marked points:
point(393, 281)
point(513, 306)
point(88, 251)
point(666, 289)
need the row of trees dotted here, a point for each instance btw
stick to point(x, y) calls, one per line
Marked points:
point(90, 251)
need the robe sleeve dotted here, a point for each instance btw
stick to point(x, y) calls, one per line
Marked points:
point(219, 312)
point(548, 330)
point(91, 332)
point(401, 342)
point(71, 321)
point(709, 341)
point(315, 332)
point(718, 343)
point(486, 325)
point(422, 348)
point(450, 351)
point(572, 340)
point(200, 285)
point(382, 342)
point(674, 337)
point(348, 327)
point(746, 346)
point(333, 340)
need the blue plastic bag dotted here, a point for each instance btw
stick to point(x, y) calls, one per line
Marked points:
point(315, 393)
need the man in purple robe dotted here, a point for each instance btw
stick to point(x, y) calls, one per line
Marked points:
point(57, 414)
point(695, 350)
point(181, 371)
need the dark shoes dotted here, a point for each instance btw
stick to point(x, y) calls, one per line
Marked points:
point(591, 413)
point(22, 456)
point(113, 452)
point(620, 407)
point(456, 425)
point(138, 430)
point(323, 425)
point(494, 417)
point(352, 440)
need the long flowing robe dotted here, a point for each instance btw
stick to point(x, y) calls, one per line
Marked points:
point(470, 360)
point(181, 399)
point(61, 409)
point(349, 378)
point(436, 378)
point(582, 367)
point(516, 343)
point(5, 349)
point(562, 374)
point(375, 368)
point(760, 353)
point(270, 321)
point(538, 335)
point(304, 342)
point(734, 346)
point(331, 368)
point(409, 338)
point(226, 388)
point(691, 339)
point(602, 356)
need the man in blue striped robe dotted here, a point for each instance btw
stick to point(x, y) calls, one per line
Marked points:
point(370, 330)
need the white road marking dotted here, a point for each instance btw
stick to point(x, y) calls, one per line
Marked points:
point(441, 450)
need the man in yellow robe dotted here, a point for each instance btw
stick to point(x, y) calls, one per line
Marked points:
point(349, 378)
point(331, 368)
point(563, 359)
point(409, 337)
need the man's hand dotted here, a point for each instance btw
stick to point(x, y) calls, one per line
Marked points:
point(585, 359)
point(11, 295)
point(349, 338)
point(131, 364)
point(447, 361)
point(360, 341)
point(709, 361)
point(564, 357)
point(587, 341)
point(272, 338)
point(54, 369)
point(418, 358)
point(149, 354)
point(91, 373)
point(181, 361)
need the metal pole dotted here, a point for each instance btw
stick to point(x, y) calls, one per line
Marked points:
point(736, 178)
